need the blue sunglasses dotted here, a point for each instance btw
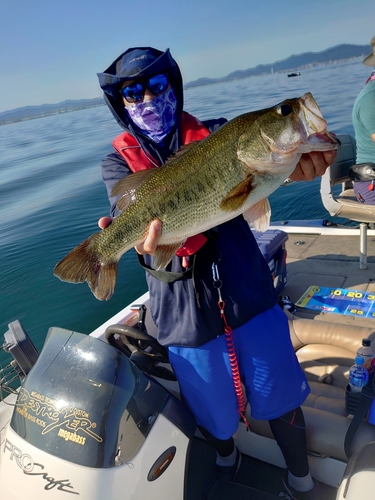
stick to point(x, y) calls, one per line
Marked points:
point(134, 92)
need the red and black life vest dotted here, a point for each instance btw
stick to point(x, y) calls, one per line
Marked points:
point(129, 148)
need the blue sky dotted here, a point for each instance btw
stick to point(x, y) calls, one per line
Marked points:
point(51, 50)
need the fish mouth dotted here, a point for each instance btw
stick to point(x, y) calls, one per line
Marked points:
point(310, 128)
point(313, 127)
point(305, 132)
point(320, 142)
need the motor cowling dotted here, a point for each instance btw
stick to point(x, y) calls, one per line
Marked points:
point(86, 410)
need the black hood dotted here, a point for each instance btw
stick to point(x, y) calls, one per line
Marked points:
point(154, 62)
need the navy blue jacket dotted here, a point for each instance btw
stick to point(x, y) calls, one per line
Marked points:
point(186, 311)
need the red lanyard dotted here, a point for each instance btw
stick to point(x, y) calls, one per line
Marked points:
point(231, 349)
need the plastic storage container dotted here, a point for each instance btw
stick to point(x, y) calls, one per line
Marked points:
point(272, 245)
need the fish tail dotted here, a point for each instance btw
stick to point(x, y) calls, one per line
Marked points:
point(84, 263)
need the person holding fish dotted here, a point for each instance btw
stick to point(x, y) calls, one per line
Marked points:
point(363, 118)
point(211, 293)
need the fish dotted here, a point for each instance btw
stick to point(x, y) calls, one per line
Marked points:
point(206, 183)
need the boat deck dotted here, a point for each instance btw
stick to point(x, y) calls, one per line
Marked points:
point(328, 260)
point(314, 257)
point(255, 480)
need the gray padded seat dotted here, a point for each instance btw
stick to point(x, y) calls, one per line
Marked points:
point(341, 201)
point(326, 352)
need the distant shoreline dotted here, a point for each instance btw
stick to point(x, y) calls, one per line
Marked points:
point(286, 71)
point(333, 55)
point(49, 113)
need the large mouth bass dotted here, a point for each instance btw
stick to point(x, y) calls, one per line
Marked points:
point(230, 172)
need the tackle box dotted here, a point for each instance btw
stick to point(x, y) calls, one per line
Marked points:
point(272, 245)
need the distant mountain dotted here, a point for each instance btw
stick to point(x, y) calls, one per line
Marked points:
point(335, 54)
point(31, 112)
point(339, 53)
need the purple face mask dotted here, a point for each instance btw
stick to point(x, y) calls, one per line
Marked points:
point(155, 118)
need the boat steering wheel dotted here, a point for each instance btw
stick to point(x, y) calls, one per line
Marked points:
point(144, 350)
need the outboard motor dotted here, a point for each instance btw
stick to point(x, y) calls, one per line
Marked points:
point(19, 345)
point(88, 422)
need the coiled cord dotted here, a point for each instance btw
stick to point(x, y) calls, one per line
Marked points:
point(241, 401)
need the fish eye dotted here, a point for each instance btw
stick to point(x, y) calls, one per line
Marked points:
point(285, 109)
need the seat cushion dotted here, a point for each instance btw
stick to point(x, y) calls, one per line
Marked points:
point(326, 352)
point(319, 360)
point(352, 209)
point(326, 397)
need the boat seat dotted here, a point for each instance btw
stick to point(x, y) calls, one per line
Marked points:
point(326, 351)
point(343, 203)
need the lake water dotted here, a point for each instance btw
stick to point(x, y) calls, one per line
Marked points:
point(51, 193)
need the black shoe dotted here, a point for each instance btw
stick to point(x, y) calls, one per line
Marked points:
point(228, 473)
point(218, 473)
point(320, 491)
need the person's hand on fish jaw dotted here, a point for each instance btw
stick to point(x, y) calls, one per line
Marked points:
point(313, 165)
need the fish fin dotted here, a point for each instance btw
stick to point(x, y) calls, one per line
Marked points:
point(259, 215)
point(84, 264)
point(131, 182)
point(238, 195)
point(125, 200)
point(181, 151)
point(126, 188)
point(164, 254)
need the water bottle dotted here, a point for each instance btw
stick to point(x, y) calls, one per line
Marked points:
point(367, 354)
point(358, 375)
